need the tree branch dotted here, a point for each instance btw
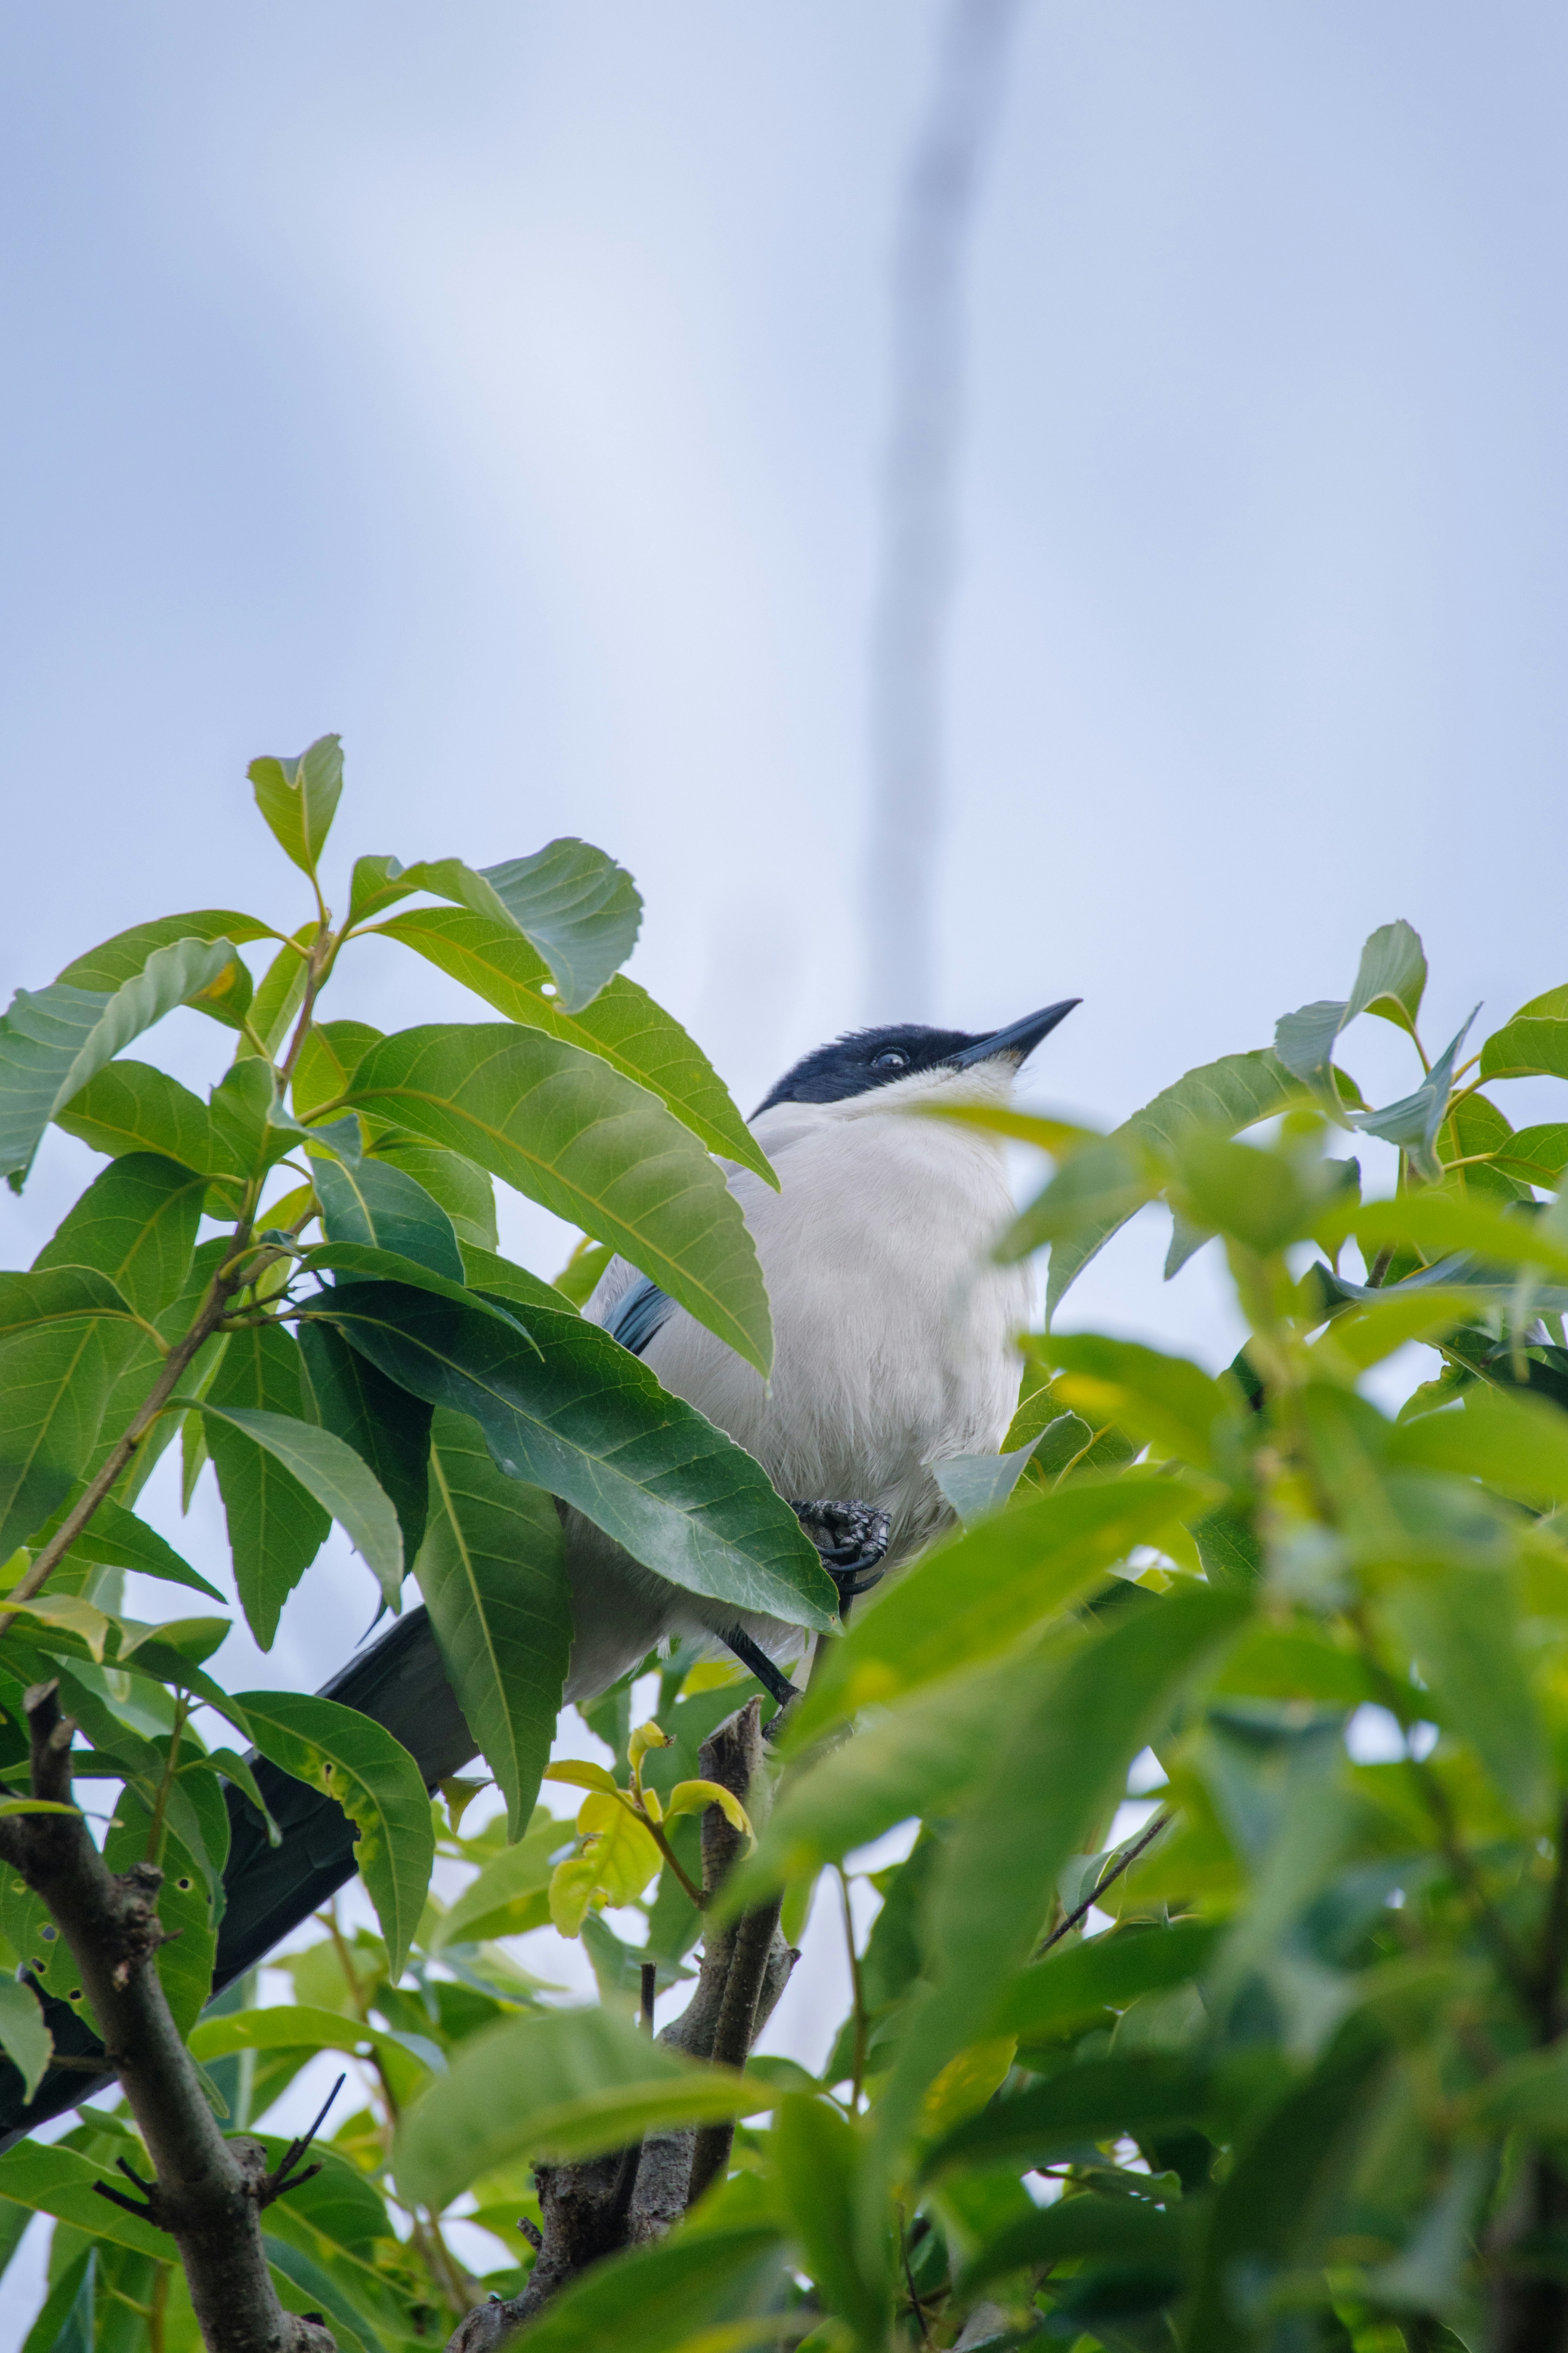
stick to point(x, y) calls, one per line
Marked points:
point(208, 2191)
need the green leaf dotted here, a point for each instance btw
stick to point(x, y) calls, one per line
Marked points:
point(66, 2322)
point(117, 1539)
point(387, 1428)
point(1100, 2099)
point(484, 1270)
point(362, 1262)
point(1167, 1400)
point(55, 2180)
point(1436, 1223)
point(23, 2037)
point(184, 1960)
point(1074, 2228)
point(1390, 982)
point(356, 1761)
point(338, 1479)
point(1535, 1155)
point(241, 1108)
point(1275, 2201)
point(109, 965)
point(384, 1206)
point(136, 1223)
point(275, 1525)
point(578, 908)
point(678, 2292)
point(1413, 1121)
point(64, 1333)
point(1516, 1443)
point(298, 798)
point(568, 1410)
point(327, 1061)
point(1075, 1985)
point(492, 1570)
point(816, 2150)
point(979, 1593)
point(568, 1130)
point(917, 1758)
point(52, 1040)
point(1462, 1626)
point(1534, 1044)
point(1228, 1095)
point(996, 1878)
point(131, 1107)
point(623, 1023)
point(562, 2084)
point(465, 1192)
point(293, 2026)
point(511, 1894)
point(283, 990)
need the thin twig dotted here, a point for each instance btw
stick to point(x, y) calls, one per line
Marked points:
point(857, 2073)
point(1113, 1872)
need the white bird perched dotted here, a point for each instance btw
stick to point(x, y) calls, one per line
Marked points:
point(893, 1332)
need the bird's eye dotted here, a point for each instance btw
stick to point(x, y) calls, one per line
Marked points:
point(892, 1061)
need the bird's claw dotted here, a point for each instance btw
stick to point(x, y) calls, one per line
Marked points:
point(852, 1539)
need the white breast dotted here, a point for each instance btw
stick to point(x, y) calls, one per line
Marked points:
point(892, 1331)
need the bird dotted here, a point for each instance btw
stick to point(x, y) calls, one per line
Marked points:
point(893, 1352)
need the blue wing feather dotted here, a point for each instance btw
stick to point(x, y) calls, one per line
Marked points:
point(644, 1311)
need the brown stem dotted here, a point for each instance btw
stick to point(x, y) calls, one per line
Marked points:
point(208, 2192)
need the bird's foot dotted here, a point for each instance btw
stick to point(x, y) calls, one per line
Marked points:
point(852, 1539)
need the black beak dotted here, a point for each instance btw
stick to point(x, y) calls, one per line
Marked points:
point(1019, 1039)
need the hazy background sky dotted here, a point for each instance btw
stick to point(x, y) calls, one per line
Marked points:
point(504, 385)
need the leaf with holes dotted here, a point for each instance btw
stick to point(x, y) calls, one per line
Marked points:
point(356, 1761)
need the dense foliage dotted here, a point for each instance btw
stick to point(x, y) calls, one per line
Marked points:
point(1275, 2062)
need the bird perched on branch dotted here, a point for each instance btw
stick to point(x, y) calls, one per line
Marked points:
point(893, 1351)
point(893, 1332)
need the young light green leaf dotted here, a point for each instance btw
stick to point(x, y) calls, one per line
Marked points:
point(563, 1127)
point(1413, 1121)
point(623, 1023)
point(376, 1203)
point(493, 1569)
point(338, 1479)
point(298, 798)
point(978, 1594)
point(327, 1061)
point(54, 1039)
point(563, 2085)
point(1535, 1155)
point(355, 1760)
point(275, 1525)
point(568, 1410)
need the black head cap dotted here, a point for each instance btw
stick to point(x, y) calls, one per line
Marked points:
point(864, 1058)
